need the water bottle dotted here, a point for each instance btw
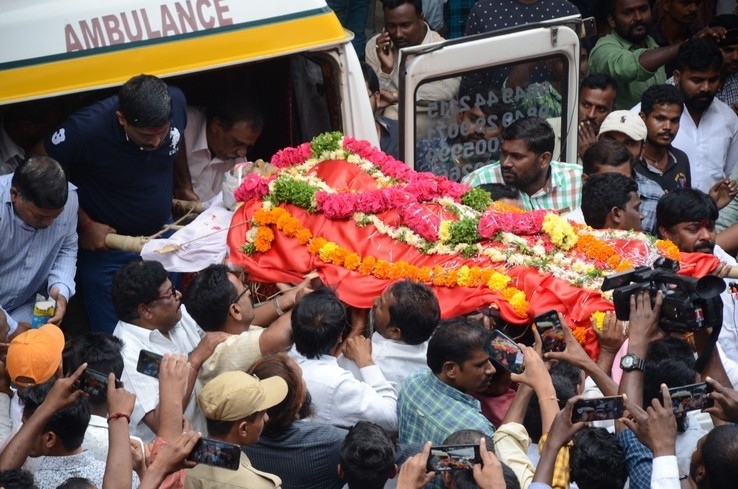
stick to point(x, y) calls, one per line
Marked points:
point(42, 312)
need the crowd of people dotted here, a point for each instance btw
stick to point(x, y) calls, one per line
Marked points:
point(202, 388)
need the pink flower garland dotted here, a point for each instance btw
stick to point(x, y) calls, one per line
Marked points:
point(254, 186)
point(291, 156)
point(526, 224)
point(418, 218)
point(341, 206)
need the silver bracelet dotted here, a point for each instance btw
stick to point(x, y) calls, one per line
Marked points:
point(275, 301)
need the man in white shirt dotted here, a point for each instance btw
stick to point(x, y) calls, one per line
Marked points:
point(708, 130)
point(402, 318)
point(320, 328)
point(216, 137)
point(151, 318)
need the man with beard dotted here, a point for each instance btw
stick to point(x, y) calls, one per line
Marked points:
point(708, 130)
point(434, 403)
point(597, 94)
point(630, 55)
point(402, 318)
point(525, 163)
point(728, 92)
point(678, 23)
point(687, 217)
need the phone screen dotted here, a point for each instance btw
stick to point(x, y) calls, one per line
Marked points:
point(505, 352)
point(216, 453)
point(551, 331)
point(453, 457)
point(148, 363)
point(690, 397)
point(598, 409)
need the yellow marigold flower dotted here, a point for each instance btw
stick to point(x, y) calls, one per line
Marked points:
point(327, 250)
point(444, 234)
point(516, 298)
point(562, 233)
point(598, 320)
point(463, 275)
point(498, 281)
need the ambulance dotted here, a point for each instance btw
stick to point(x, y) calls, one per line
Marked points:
point(295, 57)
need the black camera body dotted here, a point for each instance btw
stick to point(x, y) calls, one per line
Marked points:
point(689, 304)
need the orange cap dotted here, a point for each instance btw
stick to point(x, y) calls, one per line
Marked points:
point(35, 355)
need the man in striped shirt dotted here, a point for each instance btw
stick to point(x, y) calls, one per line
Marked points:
point(526, 164)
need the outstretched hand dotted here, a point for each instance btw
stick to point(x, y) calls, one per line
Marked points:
point(413, 473)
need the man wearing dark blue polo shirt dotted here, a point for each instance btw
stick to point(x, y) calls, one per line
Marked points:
point(120, 152)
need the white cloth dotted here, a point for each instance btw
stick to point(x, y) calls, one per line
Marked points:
point(342, 400)
point(395, 359)
point(686, 442)
point(712, 147)
point(665, 473)
point(575, 216)
point(728, 338)
point(199, 244)
point(96, 438)
point(206, 169)
point(183, 338)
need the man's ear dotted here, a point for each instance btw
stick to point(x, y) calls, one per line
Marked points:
point(49, 440)
point(545, 160)
point(677, 76)
point(449, 369)
point(393, 333)
point(700, 477)
point(663, 233)
point(616, 214)
point(611, 21)
point(340, 471)
point(121, 119)
point(392, 471)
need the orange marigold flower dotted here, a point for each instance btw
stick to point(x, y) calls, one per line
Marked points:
point(399, 270)
point(339, 256)
point(669, 249)
point(624, 265)
point(424, 274)
point(579, 334)
point(352, 261)
point(613, 261)
point(367, 265)
point(439, 276)
point(316, 244)
point(264, 238)
point(382, 269)
point(304, 236)
point(452, 278)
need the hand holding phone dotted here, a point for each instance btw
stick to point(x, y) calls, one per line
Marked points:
point(597, 409)
point(216, 453)
point(549, 327)
point(690, 397)
point(95, 384)
point(149, 363)
point(505, 352)
point(453, 457)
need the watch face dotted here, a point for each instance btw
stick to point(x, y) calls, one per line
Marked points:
point(627, 361)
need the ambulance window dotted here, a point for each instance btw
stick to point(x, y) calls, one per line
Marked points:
point(459, 120)
point(315, 96)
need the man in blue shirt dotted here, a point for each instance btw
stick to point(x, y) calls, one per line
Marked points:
point(120, 152)
point(38, 221)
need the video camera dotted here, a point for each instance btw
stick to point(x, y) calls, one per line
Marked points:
point(689, 303)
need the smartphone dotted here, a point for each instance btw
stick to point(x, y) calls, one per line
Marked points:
point(598, 409)
point(149, 363)
point(552, 334)
point(216, 453)
point(95, 384)
point(505, 352)
point(690, 397)
point(453, 457)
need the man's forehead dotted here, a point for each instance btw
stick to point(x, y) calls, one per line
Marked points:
point(702, 223)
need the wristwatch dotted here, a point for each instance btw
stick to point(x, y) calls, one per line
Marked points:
point(631, 362)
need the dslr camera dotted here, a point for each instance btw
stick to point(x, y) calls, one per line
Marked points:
point(689, 303)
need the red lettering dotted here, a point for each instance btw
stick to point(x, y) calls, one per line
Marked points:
point(220, 10)
point(129, 34)
point(73, 43)
point(208, 23)
point(150, 34)
point(167, 22)
point(186, 17)
point(92, 35)
point(112, 27)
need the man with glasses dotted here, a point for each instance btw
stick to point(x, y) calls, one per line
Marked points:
point(151, 317)
point(218, 301)
point(120, 153)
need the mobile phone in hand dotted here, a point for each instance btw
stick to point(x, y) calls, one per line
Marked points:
point(149, 363)
point(505, 352)
point(551, 331)
point(216, 453)
point(453, 457)
point(691, 397)
point(597, 409)
point(95, 384)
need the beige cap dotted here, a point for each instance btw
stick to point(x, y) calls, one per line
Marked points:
point(236, 395)
point(626, 122)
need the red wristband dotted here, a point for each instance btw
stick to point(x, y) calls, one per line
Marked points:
point(119, 415)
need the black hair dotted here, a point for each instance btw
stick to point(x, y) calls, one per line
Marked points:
point(465, 478)
point(597, 460)
point(69, 424)
point(370, 77)
point(661, 95)
point(41, 180)
point(319, 321)
point(730, 22)
point(598, 81)
point(393, 4)
point(605, 152)
point(537, 133)
point(671, 347)
point(669, 371)
point(720, 456)
point(209, 297)
point(77, 483)
point(101, 351)
point(454, 341)
point(601, 193)
point(565, 379)
point(218, 427)
point(17, 479)
point(684, 205)
point(699, 55)
point(235, 106)
point(367, 456)
point(416, 311)
point(499, 191)
point(134, 284)
point(144, 102)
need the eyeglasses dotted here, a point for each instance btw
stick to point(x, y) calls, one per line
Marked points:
point(246, 290)
point(165, 297)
